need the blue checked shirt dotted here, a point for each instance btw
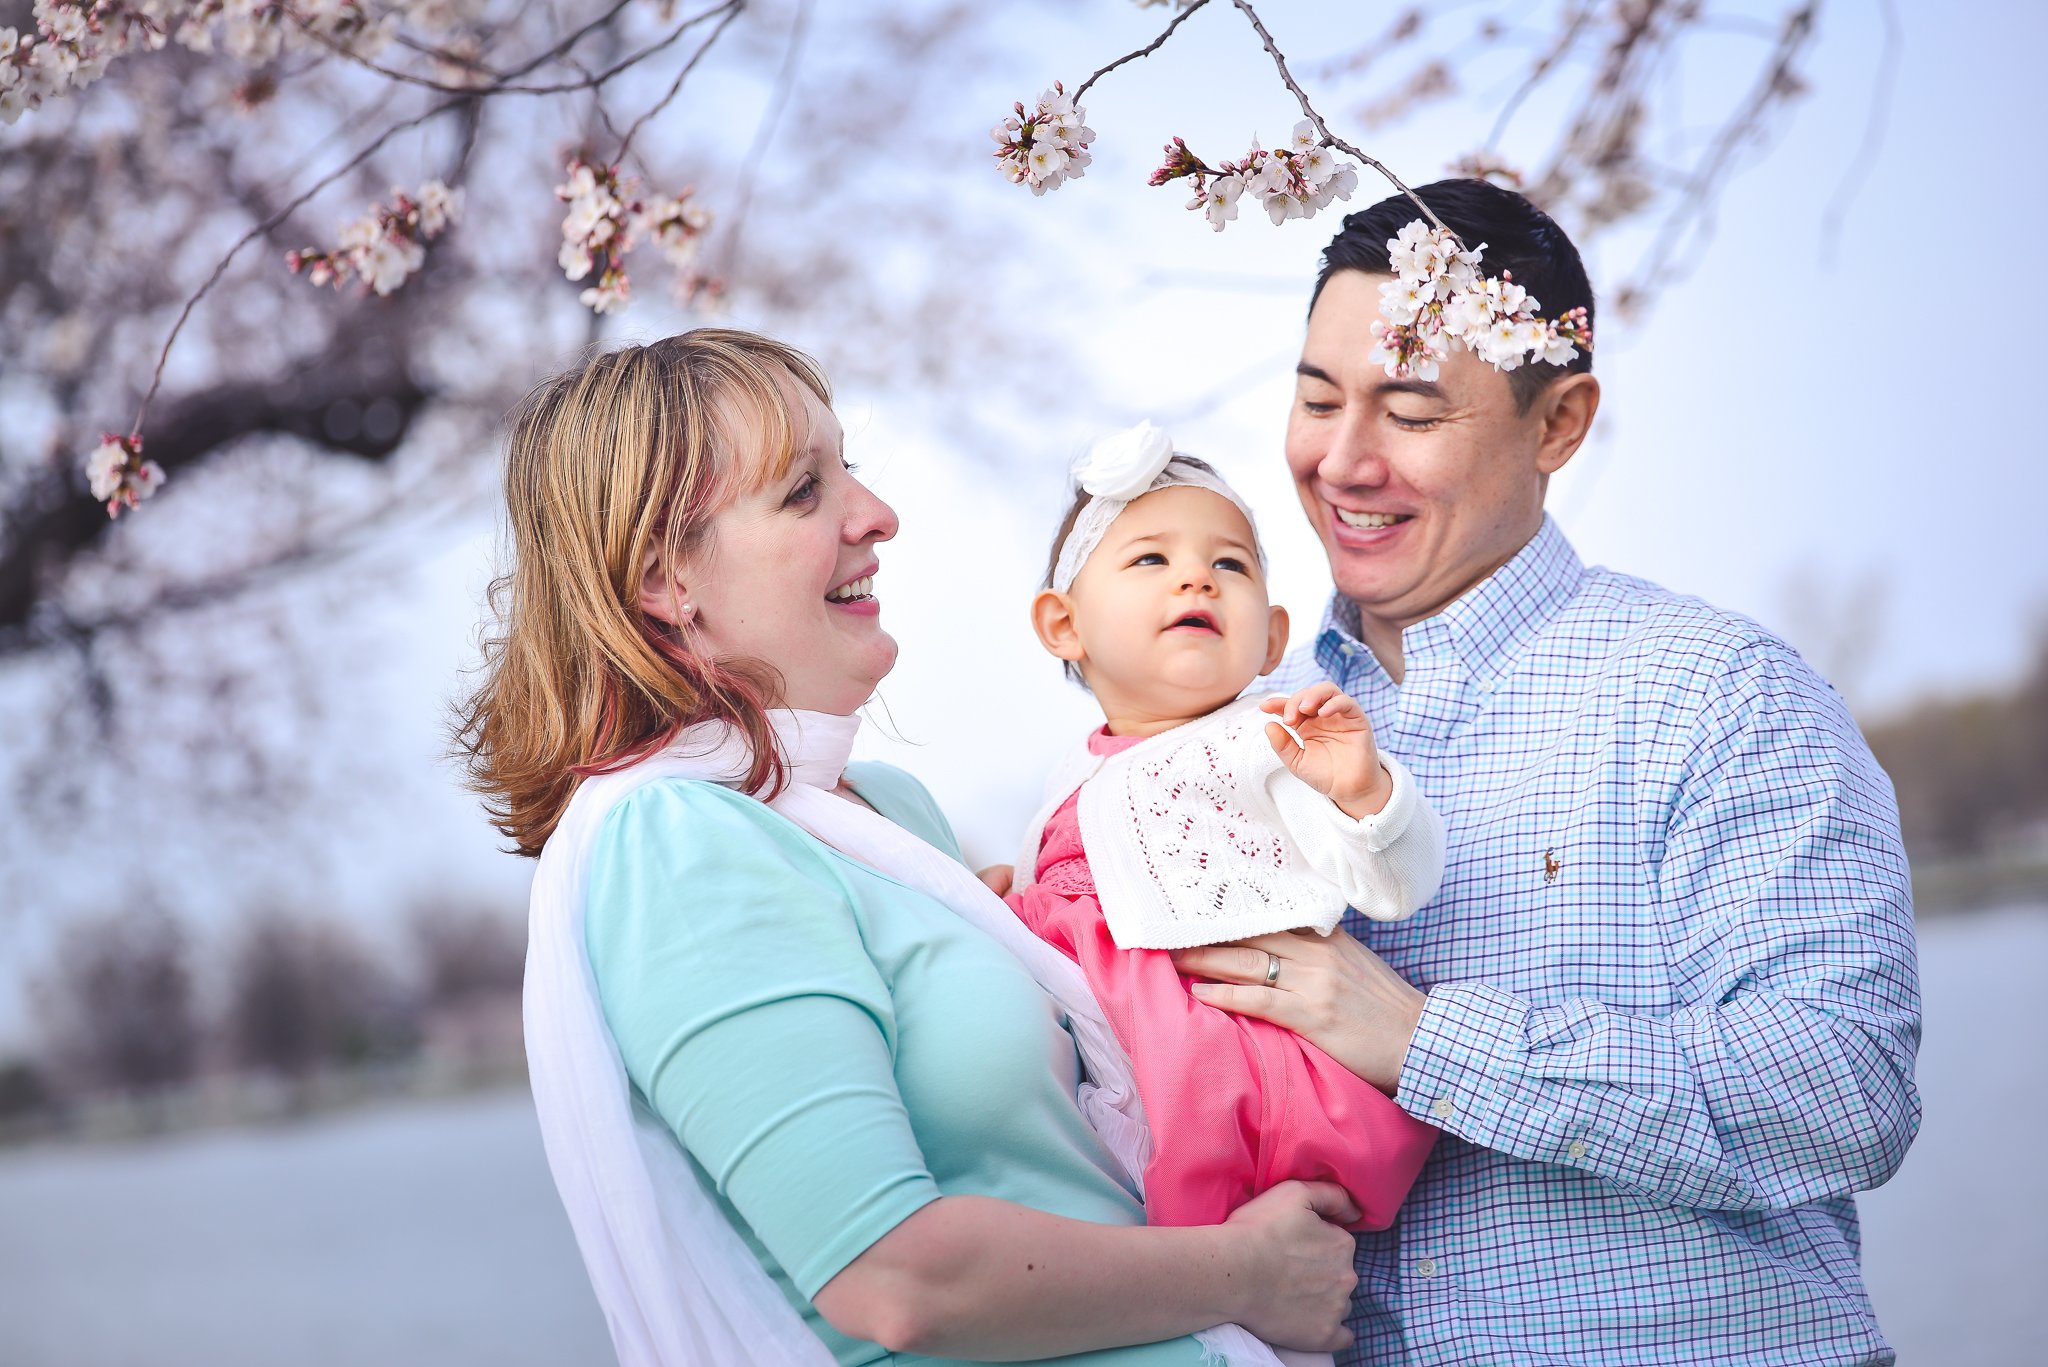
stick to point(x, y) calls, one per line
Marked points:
point(1672, 1003)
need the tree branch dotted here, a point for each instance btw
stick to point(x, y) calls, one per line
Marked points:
point(1145, 51)
point(1323, 129)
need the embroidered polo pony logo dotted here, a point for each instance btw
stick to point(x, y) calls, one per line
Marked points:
point(1552, 866)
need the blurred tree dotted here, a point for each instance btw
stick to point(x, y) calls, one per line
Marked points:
point(117, 1006)
point(1971, 772)
point(305, 994)
point(309, 435)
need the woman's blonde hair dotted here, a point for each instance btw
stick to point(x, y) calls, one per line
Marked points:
point(632, 451)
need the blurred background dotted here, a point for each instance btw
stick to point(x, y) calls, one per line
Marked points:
point(261, 1094)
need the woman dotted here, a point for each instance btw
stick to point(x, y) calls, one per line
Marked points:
point(852, 1117)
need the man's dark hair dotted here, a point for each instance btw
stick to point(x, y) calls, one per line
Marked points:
point(1520, 238)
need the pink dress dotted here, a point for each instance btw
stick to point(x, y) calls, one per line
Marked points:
point(1236, 1104)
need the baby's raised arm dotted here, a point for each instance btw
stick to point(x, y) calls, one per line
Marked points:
point(1377, 839)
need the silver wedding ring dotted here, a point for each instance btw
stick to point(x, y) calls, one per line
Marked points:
point(1272, 970)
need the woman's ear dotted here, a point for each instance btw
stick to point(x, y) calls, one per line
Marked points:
point(1052, 617)
point(662, 595)
point(1276, 638)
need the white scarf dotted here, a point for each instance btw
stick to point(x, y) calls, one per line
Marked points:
point(678, 1286)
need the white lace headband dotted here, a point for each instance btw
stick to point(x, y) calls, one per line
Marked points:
point(1119, 469)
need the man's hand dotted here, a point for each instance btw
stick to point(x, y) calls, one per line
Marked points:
point(1336, 755)
point(999, 877)
point(1331, 990)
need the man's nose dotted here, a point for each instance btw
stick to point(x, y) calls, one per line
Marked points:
point(1354, 458)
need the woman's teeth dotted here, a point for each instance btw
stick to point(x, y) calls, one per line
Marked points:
point(1351, 519)
point(863, 587)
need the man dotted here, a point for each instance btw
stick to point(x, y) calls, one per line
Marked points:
point(1665, 1007)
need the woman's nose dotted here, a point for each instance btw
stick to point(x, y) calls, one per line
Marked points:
point(867, 517)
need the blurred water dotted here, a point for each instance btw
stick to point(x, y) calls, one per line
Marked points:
point(430, 1233)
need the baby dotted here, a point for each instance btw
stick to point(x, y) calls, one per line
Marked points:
point(1194, 817)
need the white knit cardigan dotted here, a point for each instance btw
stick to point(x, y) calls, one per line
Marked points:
point(1201, 834)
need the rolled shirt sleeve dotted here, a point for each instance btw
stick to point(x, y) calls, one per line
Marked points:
point(1786, 1074)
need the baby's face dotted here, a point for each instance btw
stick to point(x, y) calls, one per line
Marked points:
point(1171, 609)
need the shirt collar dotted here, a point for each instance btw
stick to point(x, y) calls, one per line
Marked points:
point(1484, 627)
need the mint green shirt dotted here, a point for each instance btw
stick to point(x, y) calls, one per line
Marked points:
point(831, 1048)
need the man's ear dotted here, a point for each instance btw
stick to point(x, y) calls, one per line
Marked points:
point(1052, 617)
point(1276, 638)
point(662, 594)
point(1567, 407)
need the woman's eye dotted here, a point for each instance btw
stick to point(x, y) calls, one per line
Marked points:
point(1231, 563)
point(804, 492)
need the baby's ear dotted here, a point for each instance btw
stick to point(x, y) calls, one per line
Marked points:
point(1276, 638)
point(1052, 617)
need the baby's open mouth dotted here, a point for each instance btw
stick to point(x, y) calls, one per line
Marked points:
point(1200, 621)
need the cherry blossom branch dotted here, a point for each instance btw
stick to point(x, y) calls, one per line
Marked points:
point(503, 85)
point(1777, 81)
point(1873, 134)
point(1566, 41)
point(1145, 51)
point(778, 101)
point(732, 10)
point(1323, 129)
point(262, 229)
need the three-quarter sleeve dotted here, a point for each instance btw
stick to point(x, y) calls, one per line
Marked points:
point(1388, 864)
point(753, 1021)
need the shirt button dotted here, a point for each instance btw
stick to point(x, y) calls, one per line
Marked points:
point(1575, 1150)
point(1426, 1268)
point(1443, 1109)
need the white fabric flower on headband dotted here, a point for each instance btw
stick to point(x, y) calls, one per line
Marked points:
point(1122, 467)
point(1123, 464)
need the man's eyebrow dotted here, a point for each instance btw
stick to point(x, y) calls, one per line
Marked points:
point(1423, 389)
point(1313, 372)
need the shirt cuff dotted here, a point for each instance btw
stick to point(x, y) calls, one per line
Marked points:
point(1459, 1064)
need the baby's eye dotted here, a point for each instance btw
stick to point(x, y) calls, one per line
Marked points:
point(1150, 558)
point(1233, 564)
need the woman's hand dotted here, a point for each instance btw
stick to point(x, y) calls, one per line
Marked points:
point(1300, 1264)
point(1331, 990)
point(1336, 754)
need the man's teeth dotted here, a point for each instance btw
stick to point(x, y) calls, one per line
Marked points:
point(863, 587)
point(1351, 519)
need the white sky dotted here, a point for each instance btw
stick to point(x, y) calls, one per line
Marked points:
point(1776, 434)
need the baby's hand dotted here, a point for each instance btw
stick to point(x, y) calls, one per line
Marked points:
point(1336, 755)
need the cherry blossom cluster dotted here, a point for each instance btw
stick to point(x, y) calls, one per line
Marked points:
point(1440, 297)
point(70, 49)
point(119, 476)
point(603, 223)
point(76, 40)
point(387, 244)
point(1043, 146)
point(1292, 182)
